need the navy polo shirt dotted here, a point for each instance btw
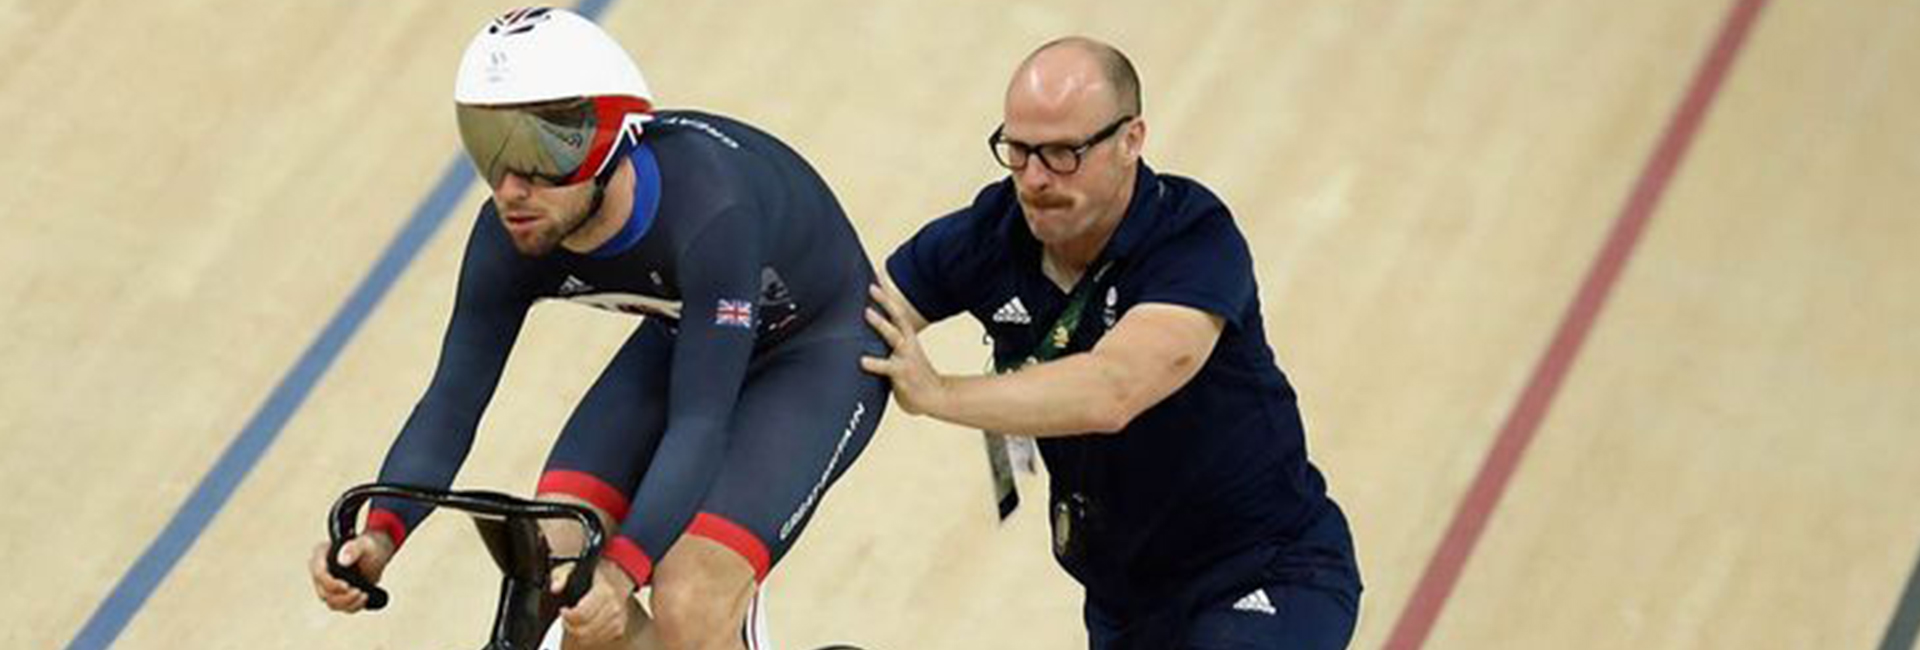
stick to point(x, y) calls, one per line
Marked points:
point(1213, 474)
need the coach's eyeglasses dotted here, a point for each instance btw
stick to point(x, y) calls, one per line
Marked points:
point(1059, 158)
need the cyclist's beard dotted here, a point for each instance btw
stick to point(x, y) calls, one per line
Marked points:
point(538, 229)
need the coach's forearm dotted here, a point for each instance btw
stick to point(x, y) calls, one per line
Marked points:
point(1073, 395)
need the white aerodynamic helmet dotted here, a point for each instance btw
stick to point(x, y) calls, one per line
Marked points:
point(546, 94)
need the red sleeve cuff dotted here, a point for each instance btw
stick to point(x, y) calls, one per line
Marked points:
point(386, 521)
point(631, 559)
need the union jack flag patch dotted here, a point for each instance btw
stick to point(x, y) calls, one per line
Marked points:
point(734, 313)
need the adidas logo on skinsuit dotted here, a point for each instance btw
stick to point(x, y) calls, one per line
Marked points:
point(573, 286)
point(1012, 312)
point(1255, 602)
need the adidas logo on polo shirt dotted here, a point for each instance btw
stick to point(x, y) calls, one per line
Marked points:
point(1255, 602)
point(1012, 312)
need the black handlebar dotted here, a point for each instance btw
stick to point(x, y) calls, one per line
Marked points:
point(346, 512)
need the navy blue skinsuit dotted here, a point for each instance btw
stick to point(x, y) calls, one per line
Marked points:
point(1202, 524)
point(737, 401)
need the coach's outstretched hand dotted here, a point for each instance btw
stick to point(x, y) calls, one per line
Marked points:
point(368, 554)
point(601, 615)
point(917, 387)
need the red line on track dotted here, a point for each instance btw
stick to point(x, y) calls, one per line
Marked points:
point(1443, 570)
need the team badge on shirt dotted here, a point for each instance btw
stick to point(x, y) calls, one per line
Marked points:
point(1111, 316)
point(734, 313)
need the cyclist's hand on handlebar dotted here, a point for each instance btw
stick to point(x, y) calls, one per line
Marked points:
point(601, 616)
point(367, 553)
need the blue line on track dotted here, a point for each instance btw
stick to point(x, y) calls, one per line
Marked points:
point(1905, 625)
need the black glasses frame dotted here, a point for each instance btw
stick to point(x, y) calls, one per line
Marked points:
point(1016, 154)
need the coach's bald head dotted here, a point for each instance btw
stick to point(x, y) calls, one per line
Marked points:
point(1078, 70)
point(1080, 99)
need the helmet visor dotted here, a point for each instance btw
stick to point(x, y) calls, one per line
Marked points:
point(548, 141)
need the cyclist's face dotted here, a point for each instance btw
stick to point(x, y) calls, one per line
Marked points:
point(538, 214)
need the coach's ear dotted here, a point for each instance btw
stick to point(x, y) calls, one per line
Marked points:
point(1133, 140)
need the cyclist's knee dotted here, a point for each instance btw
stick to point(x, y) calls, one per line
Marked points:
point(694, 602)
point(700, 594)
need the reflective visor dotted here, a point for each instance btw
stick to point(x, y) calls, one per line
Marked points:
point(547, 141)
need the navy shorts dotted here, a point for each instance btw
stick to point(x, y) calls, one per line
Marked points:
point(804, 414)
point(1280, 615)
point(1305, 596)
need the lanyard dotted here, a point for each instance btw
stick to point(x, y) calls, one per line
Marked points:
point(999, 449)
point(1063, 328)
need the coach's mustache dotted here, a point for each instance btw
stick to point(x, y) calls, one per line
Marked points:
point(1049, 201)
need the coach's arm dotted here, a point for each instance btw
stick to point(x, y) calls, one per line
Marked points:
point(1151, 352)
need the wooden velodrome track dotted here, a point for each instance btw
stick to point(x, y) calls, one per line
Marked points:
point(1724, 440)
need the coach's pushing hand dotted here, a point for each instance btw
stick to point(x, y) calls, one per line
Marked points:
point(916, 385)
